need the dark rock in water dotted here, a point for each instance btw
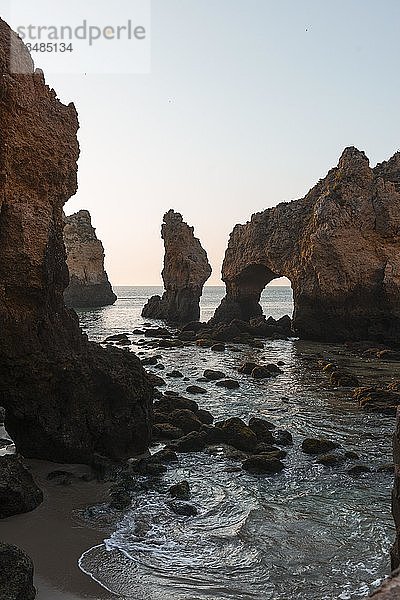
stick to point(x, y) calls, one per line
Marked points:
point(218, 347)
point(120, 498)
point(155, 379)
point(149, 360)
point(261, 373)
point(185, 420)
point(170, 402)
point(186, 269)
point(180, 490)
point(196, 389)
point(263, 464)
point(212, 435)
point(175, 374)
point(166, 455)
point(237, 434)
point(183, 508)
point(264, 448)
point(16, 574)
point(159, 366)
point(318, 446)
point(343, 378)
point(157, 332)
point(375, 399)
point(247, 368)
point(166, 431)
point(359, 470)
point(192, 442)
point(65, 397)
point(193, 326)
point(229, 384)
point(350, 455)
point(262, 429)
point(117, 337)
point(281, 437)
point(213, 375)
point(18, 490)
point(351, 216)
point(330, 460)
point(88, 281)
point(205, 417)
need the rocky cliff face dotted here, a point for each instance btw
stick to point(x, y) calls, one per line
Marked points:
point(340, 248)
point(186, 269)
point(65, 398)
point(88, 281)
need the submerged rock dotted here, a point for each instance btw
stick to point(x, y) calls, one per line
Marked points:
point(263, 464)
point(88, 282)
point(180, 490)
point(318, 446)
point(65, 398)
point(339, 247)
point(16, 574)
point(186, 269)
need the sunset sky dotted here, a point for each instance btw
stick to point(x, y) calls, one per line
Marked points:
point(248, 103)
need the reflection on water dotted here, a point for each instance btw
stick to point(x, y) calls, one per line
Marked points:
point(309, 532)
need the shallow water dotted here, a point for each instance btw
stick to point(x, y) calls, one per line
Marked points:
point(309, 532)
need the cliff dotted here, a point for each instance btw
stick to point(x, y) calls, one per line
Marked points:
point(65, 398)
point(340, 248)
point(186, 269)
point(88, 281)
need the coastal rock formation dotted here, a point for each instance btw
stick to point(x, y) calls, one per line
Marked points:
point(186, 269)
point(65, 398)
point(18, 491)
point(16, 574)
point(340, 248)
point(88, 281)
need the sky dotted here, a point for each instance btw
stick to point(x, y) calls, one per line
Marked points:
point(248, 103)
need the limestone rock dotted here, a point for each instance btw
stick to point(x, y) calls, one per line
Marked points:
point(88, 281)
point(65, 398)
point(186, 269)
point(340, 248)
point(16, 574)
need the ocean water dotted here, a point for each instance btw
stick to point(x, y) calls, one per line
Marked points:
point(307, 533)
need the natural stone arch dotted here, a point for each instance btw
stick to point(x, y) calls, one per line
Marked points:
point(340, 248)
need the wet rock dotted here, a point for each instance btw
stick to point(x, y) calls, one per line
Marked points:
point(186, 269)
point(375, 399)
point(218, 347)
point(247, 368)
point(149, 360)
point(273, 451)
point(155, 379)
point(159, 366)
point(205, 416)
point(330, 460)
point(120, 498)
point(281, 437)
point(263, 464)
point(166, 431)
point(261, 373)
point(212, 435)
point(237, 434)
point(196, 389)
point(318, 446)
point(173, 401)
point(16, 574)
point(229, 384)
point(183, 508)
point(350, 455)
point(213, 375)
point(176, 374)
point(193, 326)
point(157, 332)
point(180, 490)
point(60, 477)
point(18, 490)
point(343, 378)
point(192, 442)
point(262, 429)
point(166, 455)
point(358, 470)
point(185, 420)
point(204, 343)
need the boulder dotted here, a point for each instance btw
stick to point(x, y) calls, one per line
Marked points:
point(192, 442)
point(237, 434)
point(263, 464)
point(318, 446)
point(213, 375)
point(180, 490)
point(229, 384)
point(16, 574)
point(185, 420)
point(18, 490)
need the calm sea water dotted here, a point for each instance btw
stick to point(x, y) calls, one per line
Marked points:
point(309, 532)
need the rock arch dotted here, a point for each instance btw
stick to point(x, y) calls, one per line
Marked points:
point(340, 248)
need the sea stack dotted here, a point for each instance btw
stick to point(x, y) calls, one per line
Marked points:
point(88, 282)
point(186, 269)
point(66, 399)
point(340, 248)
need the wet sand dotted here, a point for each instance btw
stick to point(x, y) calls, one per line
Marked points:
point(55, 537)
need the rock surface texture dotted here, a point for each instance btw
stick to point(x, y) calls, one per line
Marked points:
point(16, 574)
point(186, 269)
point(340, 248)
point(18, 490)
point(88, 281)
point(65, 398)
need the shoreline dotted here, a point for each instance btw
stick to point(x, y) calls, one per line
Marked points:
point(55, 538)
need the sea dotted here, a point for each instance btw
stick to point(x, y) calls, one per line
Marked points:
point(310, 532)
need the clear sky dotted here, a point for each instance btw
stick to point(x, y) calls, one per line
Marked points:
point(248, 103)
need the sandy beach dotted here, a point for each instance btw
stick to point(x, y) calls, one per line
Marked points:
point(55, 537)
